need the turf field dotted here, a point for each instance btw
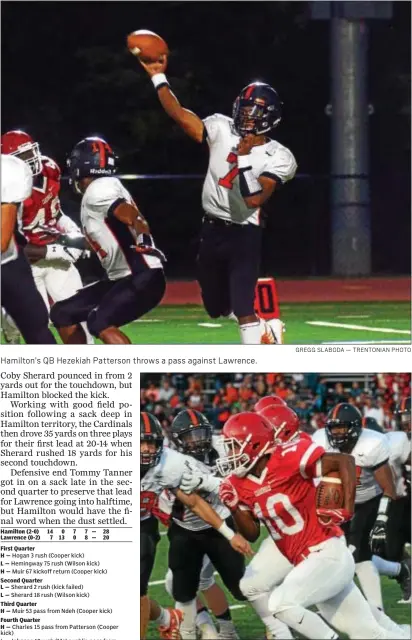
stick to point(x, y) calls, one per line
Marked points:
point(367, 322)
point(381, 322)
point(248, 625)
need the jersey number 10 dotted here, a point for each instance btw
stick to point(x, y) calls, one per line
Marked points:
point(287, 530)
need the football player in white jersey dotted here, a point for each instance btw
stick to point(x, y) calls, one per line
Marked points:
point(245, 168)
point(366, 533)
point(394, 562)
point(20, 298)
point(120, 236)
point(164, 469)
point(191, 434)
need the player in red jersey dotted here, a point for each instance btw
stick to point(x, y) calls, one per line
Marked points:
point(54, 241)
point(275, 484)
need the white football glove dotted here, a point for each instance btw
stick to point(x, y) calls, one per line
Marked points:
point(67, 254)
point(196, 480)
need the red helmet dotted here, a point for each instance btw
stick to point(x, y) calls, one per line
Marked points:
point(21, 145)
point(246, 438)
point(283, 421)
point(269, 401)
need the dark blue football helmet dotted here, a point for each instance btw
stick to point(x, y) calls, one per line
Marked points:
point(257, 109)
point(91, 157)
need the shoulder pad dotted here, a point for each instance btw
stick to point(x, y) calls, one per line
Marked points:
point(102, 190)
point(50, 168)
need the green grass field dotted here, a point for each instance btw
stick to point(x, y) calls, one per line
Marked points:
point(248, 625)
point(384, 322)
point(184, 324)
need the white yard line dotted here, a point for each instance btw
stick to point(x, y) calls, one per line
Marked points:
point(208, 325)
point(348, 317)
point(356, 327)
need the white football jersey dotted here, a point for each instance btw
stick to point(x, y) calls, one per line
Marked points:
point(399, 452)
point(113, 241)
point(16, 186)
point(221, 197)
point(168, 475)
point(370, 452)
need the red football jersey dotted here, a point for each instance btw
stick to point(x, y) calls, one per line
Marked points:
point(43, 207)
point(283, 498)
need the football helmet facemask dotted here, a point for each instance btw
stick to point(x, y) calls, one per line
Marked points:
point(20, 144)
point(150, 432)
point(191, 433)
point(256, 110)
point(247, 437)
point(343, 426)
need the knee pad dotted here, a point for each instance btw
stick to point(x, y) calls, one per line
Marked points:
point(60, 315)
point(95, 323)
point(251, 587)
point(206, 582)
point(169, 582)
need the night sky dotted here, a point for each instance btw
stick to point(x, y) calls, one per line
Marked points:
point(66, 73)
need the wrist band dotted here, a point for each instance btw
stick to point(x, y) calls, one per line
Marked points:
point(159, 80)
point(226, 531)
point(383, 508)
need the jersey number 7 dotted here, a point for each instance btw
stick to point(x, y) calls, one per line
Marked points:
point(228, 179)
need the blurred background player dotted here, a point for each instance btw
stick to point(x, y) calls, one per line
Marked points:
point(19, 296)
point(120, 236)
point(394, 561)
point(54, 241)
point(245, 168)
point(367, 532)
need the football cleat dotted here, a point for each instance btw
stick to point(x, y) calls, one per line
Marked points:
point(404, 580)
point(267, 334)
point(172, 632)
point(10, 331)
point(278, 328)
point(207, 631)
point(227, 630)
